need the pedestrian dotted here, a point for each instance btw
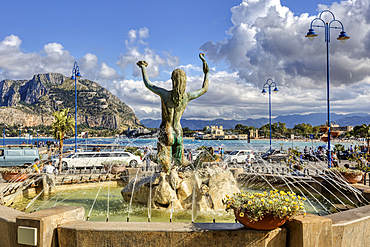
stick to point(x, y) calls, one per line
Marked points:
point(300, 158)
point(35, 165)
point(248, 161)
point(334, 159)
point(48, 143)
point(49, 168)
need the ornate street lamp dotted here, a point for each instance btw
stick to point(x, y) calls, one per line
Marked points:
point(20, 136)
point(269, 83)
point(342, 38)
point(4, 136)
point(75, 76)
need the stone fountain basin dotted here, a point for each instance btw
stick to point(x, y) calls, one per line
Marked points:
point(64, 226)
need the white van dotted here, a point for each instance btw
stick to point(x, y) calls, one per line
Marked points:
point(239, 156)
point(18, 156)
point(95, 159)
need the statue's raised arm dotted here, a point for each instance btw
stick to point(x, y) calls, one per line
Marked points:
point(148, 84)
point(203, 90)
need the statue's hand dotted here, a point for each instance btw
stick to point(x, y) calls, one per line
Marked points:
point(201, 56)
point(205, 65)
point(142, 64)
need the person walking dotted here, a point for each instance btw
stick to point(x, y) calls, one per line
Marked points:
point(49, 168)
point(35, 165)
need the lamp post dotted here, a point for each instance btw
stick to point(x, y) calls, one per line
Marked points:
point(269, 83)
point(4, 136)
point(342, 38)
point(75, 76)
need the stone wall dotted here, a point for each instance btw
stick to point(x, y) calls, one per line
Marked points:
point(87, 234)
point(351, 228)
point(65, 226)
point(8, 226)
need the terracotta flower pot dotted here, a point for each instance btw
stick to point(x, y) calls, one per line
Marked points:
point(351, 179)
point(324, 138)
point(266, 223)
point(324, 128)
point(334, 133)
point(13, 176)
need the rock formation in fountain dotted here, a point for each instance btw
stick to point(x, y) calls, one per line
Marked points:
point(170, 142)
point(212, 184)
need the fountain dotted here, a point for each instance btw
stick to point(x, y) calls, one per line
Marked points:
point(183, 191)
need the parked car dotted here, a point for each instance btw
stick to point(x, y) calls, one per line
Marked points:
point(95, 159)
point(14, 156)
point(239, 156)
point(275, 155)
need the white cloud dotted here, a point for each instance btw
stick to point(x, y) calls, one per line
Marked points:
point(267, 40)
point(107, 72)
point(11, 40)
point(143, 33)
point(17, 64)
point(89, 61)
point(51, 48)
point(138, 49)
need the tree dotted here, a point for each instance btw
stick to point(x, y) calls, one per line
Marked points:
point(281, 128)
point(241, 129)
point(278, 129)
point(303, 129)
point(62, 123)
point(362, 131)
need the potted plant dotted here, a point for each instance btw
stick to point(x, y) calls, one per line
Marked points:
point(324, 138)
point(13, 174)
point(334, 133)
point(351, 175)
point(264, 211)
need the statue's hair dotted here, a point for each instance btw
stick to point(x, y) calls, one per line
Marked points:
point(178, 85)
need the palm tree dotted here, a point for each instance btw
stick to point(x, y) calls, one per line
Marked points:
point(62, 123)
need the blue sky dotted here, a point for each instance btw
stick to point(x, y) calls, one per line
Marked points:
point(245, 42)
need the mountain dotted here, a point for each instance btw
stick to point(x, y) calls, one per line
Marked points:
point(32, 102)
point(354, 120)
point(290, 120)
point(317, 119)
point(199, 124)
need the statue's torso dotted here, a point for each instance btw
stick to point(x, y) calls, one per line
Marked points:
point(171, 115)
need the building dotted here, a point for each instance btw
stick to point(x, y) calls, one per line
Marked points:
point(138, 131)
point(341, 129)
point(215, 131)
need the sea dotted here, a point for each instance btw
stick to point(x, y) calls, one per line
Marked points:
point(260, 145)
